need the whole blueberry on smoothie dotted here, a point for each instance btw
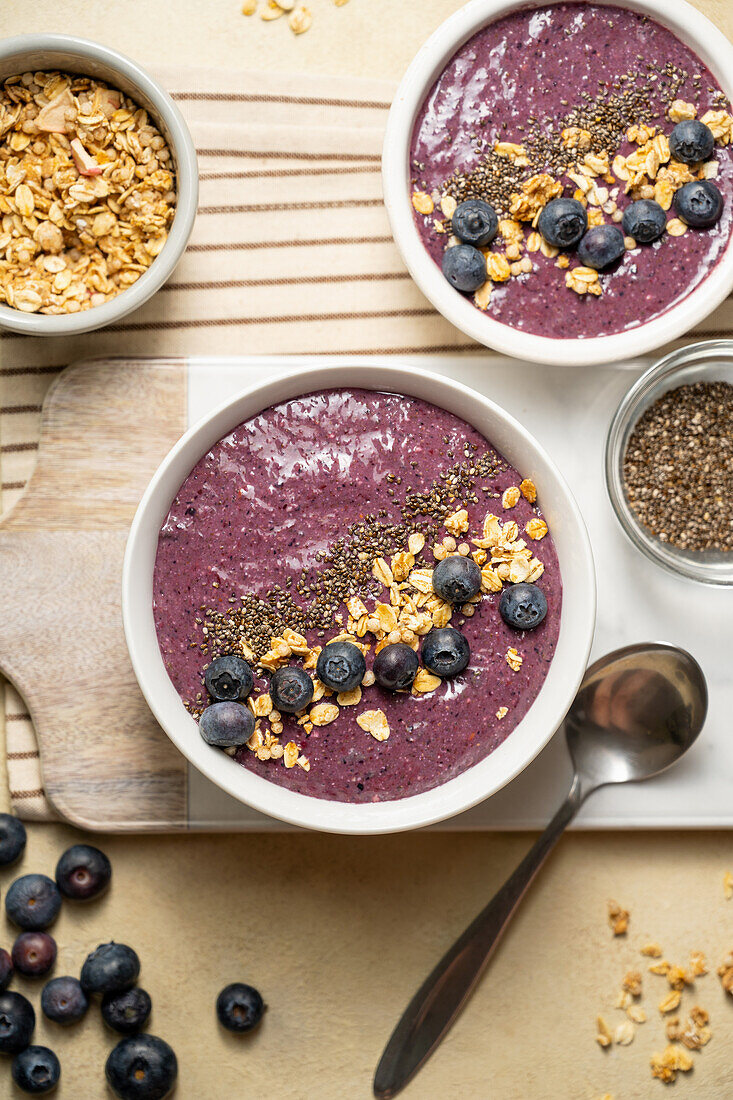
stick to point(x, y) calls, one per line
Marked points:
point(353, 547)
point(560, 118)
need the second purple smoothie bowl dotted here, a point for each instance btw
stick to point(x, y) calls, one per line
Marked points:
point(476, 782)
point(463, 93)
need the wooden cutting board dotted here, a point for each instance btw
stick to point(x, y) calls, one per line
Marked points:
point(106, 426)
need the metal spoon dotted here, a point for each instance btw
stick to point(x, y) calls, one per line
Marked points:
point(637, 711)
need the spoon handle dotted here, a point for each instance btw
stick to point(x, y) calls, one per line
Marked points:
point(444, 992)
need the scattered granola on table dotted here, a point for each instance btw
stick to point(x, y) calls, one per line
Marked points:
point(618, 918)
point(87, 192)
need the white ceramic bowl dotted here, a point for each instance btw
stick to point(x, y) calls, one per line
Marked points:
point(40, 52)
point(477, 782)
point(687, 24)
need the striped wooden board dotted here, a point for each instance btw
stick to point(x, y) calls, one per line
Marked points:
point(106, 425)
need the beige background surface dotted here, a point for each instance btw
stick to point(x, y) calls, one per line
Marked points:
point(337, 932)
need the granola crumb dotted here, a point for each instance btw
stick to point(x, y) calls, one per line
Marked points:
point(618, 918)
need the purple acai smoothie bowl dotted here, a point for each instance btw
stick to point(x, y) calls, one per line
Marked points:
point(324, 517)
point(565, 94)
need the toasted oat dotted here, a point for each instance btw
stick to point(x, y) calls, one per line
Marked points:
point(513, 152)
point(482, 297)
point(415, 543)
point(725, 972)
point(574, 137)
point(304, 763)
point(528, 490)
point(510, 497)
point(374, 722)
point(676, 228)
point(368, 679)
point(382, 572)
point(422, 580)
point(670, 1002)
point(448, 205)
point(290, 754)
point(272, 11)
point(666, 1066)
point(624, 1033)
point(457, 522)
point(632, 983)
point(618, 918)
point(261, 706)
point(498, 267)
point(323, 714)
point(721, 123)
point(425, 681)
point(680, 110)
point(422, 202)
point(514, 659)
point(652, 950)
point(662, 968)
point(604, 1037)
point(583, 280)
point(502, 712)
point(636, 1013)
point(536, 529)
point(349, 698)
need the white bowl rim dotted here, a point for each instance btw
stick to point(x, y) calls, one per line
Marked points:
point(187, 187)
point(692, 28)
point(450, 798)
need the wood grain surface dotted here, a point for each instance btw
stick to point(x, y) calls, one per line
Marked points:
point(106, 426)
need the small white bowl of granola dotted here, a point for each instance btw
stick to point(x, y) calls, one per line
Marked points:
point(98, 184)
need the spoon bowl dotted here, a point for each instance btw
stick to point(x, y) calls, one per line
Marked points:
point(637, 711)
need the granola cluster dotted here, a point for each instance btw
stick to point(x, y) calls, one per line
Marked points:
point(406, 610)
point(599, 180)
point(87, 192)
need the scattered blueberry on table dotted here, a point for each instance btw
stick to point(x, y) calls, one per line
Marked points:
point(644, 220)
point(6, 968)
point(239, 1007)
point(142, 1067)
point(445, 652)
point(36, 1070)
point(291, 689)
point(226, 725)
point(34, 954)
point(126, 1012)
point(563, 222)
point(457, 579)
point(17, 1022)
point(395, 667)
point(64, 1001)
point(12, 839)
point(341, 666)
point(110, 968)
point(33, 902)
point(229, 679)
point(83, 872)
point(523, 606)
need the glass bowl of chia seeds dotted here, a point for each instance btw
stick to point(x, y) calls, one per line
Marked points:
point(669, 463)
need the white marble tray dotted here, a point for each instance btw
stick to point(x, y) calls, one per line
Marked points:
point(569, 411)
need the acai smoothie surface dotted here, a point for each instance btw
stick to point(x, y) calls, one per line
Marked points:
point(322, 520)
point(585, 102)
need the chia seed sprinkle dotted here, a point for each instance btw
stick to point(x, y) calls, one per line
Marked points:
point(678, 467)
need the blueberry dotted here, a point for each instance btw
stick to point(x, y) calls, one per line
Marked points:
point(239, 1007)
point(445, 652)
point(17, 1022)
point(699, 203)
point(644, 220)
point(83, 872)
point(226, 725)
point(475, 222)
point(34, 953)
point(291, 689)
point(142, 1067)
point(36, 1070)
point(12, 839)
point(33, 902)
point(464, 267)
point(601, 246)
point(341, 666)
point(126, 1012)
point(111, 968)
point(229, 679)
point(563, 222)
point(64, 1001)
point(457, 579)
point(523, 606)
point(691, 141)
point(6, 968)
point(395, 667)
